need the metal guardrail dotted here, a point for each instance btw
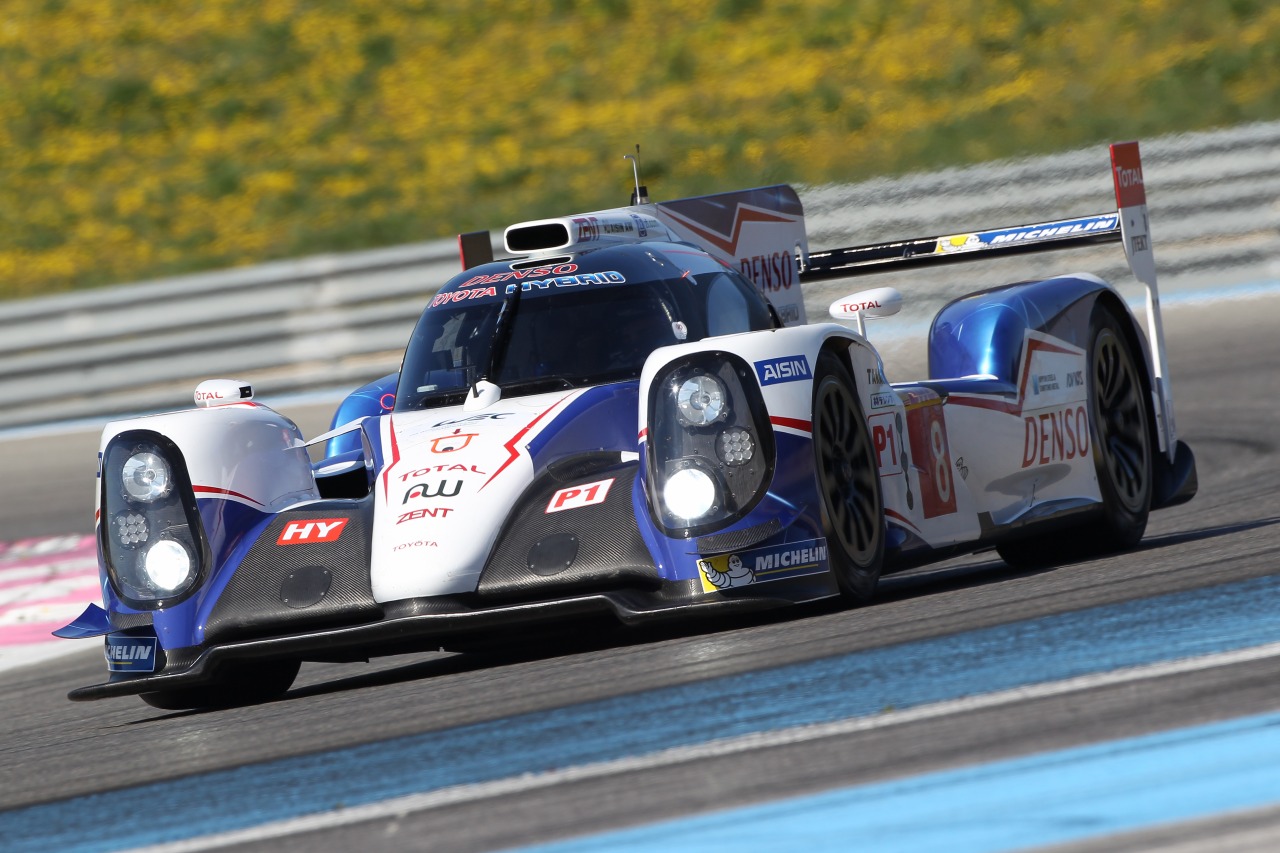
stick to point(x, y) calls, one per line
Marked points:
point(1213, 201)
point(287, 326)
point(340, 320)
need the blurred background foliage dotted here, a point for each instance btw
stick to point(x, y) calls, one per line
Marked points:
point(143, 138)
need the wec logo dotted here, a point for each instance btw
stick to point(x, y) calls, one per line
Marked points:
point(788, 368)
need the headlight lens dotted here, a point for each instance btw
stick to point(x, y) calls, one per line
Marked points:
point(710, 445)
point(167, 565)
point(151, 534)
point(146, 477)
point(689, 494)
point(700, 400)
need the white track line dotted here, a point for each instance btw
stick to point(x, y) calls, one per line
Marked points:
point(403, 806)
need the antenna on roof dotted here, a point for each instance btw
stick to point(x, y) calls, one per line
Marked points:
point(640, 195)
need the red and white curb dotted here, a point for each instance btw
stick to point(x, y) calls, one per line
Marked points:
point(44, 584)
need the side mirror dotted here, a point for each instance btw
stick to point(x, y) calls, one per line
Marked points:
point(865, 304)
point(222, 392)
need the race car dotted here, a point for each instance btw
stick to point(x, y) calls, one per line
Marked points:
point(628, 416)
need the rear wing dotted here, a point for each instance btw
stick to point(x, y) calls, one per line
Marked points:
point(1127, 225)
point(953, 248)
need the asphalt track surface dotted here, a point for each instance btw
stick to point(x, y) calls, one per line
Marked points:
point(1224, 360)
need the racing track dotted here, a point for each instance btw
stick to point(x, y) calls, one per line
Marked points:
point(975, 627)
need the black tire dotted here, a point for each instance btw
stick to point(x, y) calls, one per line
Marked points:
point(848, 481)
point(1118, 416)
point(240, 684)
point(1121, 434)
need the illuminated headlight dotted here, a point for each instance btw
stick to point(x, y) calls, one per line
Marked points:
point(710, 451)
point(735, 446)
point(700, 400)
point(131, 528)
point(151, 536)
point(146, 477)
point(689, 493)
point(167, 566)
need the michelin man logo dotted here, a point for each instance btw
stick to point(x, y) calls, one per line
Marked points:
point(733, 573)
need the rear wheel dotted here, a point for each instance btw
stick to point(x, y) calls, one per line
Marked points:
point(1121, 435)
point(1118, 414)
point(238, 684)
point(848, 481)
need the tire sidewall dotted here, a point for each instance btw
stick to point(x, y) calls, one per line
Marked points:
point(856, 578)
point(1120, 522)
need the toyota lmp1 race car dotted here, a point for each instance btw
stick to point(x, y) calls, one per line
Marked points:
point(615, 420)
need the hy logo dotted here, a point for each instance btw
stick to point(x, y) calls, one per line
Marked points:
point(312, 530)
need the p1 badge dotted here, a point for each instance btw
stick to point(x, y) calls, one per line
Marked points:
point(130, 654)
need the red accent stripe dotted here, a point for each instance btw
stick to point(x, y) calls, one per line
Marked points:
point(899, 517)
point(644, 433)
point(997, 404)
point(985, 403)
point(791, 423)
point(1050, 347)
point(1032, 346)
point(512, 453)
point(741, 216)
point(213, 490)
point(395, 457)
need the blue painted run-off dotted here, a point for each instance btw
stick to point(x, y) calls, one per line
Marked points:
point(1230, 616)
point(1052, 798)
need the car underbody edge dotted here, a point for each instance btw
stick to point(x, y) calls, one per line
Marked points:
point(428, 624)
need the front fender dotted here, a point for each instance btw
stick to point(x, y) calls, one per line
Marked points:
point(781, 366)
point(788, 392)
point(244, 452)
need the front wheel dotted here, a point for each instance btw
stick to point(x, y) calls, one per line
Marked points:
point(239, 684)
point(848, 481)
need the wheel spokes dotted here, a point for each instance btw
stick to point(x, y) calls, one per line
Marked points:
point(1121, 427)
point(844, 474)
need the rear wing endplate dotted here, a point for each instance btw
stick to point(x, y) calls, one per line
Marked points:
point(1127, 225)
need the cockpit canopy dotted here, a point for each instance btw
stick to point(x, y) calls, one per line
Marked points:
point(570, 322)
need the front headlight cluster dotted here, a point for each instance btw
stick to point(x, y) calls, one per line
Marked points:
point(710, 443)
point(152, 538)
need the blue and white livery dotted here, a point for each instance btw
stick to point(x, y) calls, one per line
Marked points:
point(628, 416)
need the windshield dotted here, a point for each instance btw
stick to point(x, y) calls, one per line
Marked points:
point(569, 338)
